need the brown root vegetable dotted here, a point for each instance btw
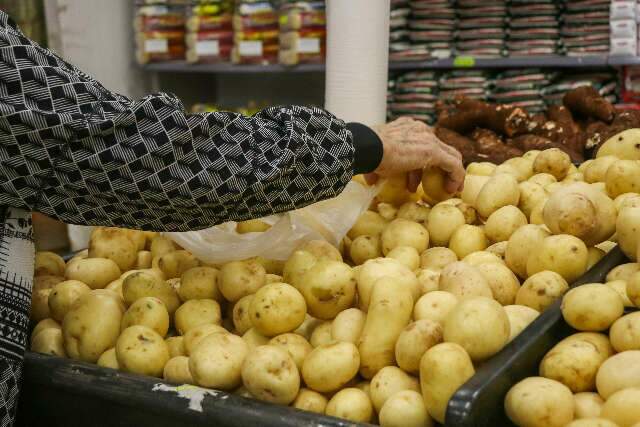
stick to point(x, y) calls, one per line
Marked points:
point(464, 145)
point(490, 144)
point(586, 101)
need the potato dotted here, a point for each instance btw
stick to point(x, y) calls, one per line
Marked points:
point(622, 407)
point(500, 190)
point(199, 283)
point(472, 186)
point(252, 226)
point(387, 211)
point(433, 181)
point(321, 250)
point(443, 369)
point(94, 272)
point(594, 255)
point(587, 405)
point(176, 346)
point(503, 223)
point(537, 214)
point(150, 312)
point(623, 176)
point(389, 312)
point(48, 264)
point(531, 194)
point(498, 249)
point(469, 212)
point(347, 326)
point(481, 168)
point(241, 320)
point(574, 363)
point(394, 190)
point(375, 269)
point(108, 359)
point(428, 280)
point(270, 374)
point(467, 239)
point(415, 212)
point(295, 267)
point(523, 167)
point(464, 280)
point(598, 340)
point(364, 248)
point(633, 289)
point(388, 381)
point(520, 245)
point(91, 326)
point(328, 287)
point(623, 272)
point(466, 322)
point(45, 324)
point(625, 332)
point(592, 307)
point(541, 289)
point(174, 264)
point(368, 224)
point(618, 372)
point(574, 177)
point(114, 244)
point(434, 306)
point(350, 404)
point(620, 286)
point(217, 361)
point(564, 254)
point(194, 336)
point(508, 169)
point(443, 221)
point(622, 145)
point(503, 283)
point(240, 278)
point(278, 308)
point(405, 409)
point(176, 371)
point(271, 266)
point(414, 341)
point(143, 260)
point(596, 171)
point(539, 402)
point(161, 245)
point(253, 338)
point(543, 179)
point(401, 232)
point(141, 350)
point(152, 271)
point(142, 284)
point(297, 346)
point(583, 166)
point(321, 335)
point(520, 317)
point(437, 258)
point(63, 295)
point(197, 312)
point(626, 200)
point(406, 255)
point(311, 401)
point(49, 341)
point(552, 161)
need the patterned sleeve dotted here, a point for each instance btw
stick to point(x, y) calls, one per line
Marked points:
point(75, 151)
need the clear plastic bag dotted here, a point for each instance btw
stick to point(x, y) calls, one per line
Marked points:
point(327, 220)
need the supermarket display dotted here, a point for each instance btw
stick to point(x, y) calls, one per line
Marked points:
point(482, 28)
point(302, 32)
point(256, 32)
point(160, 31)
point(585, 29)
point(533, 28)
point(209, 36)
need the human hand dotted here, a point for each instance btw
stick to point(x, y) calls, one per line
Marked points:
point(409, 146)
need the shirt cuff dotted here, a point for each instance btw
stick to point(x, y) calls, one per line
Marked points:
point(368, 148)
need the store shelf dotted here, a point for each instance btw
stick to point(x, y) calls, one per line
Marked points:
point(450, 63)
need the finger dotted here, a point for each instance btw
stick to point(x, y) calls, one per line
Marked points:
point(413, 180)
point(455, 176)
point(371, 178)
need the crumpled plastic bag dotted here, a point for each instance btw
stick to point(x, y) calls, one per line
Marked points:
point(328, 220)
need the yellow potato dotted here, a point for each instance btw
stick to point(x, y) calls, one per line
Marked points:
point(443, 369)
point(405, 409)
point(199, 283)
point(48, 264)
point(329, 367)
point(142, 284)
point(472, 186)
point(270, 374)
point(434, 306)
point(375, 269)
point(297, 346)
point(596, 171)
point(503, 223)
point(194, 336)
point(480, 168)
point(63, 296)
point(523, 167)
point(278, 308)
point(520, 317)
point(592, 307)
point(520, 245)
point(150, 312)
point(443, 220)
point(94, 272)
point(388, 381)
point(401, 232)
point(541, 289)
point(503, 283)
point(387, 211)
point(174, 264)
point(45, 324)
point(271, 266)
point(311, 401)
point(406, 255)
point(49, 341)
point(508, 169)
point(389, 312)
point(176, 346)
point(196, 312)
point(428, 280)
point(177, 371)
point(542, 179)
point(500, 190)
point(587, 405)
point(252, 226)
point(564, 254)
point(467, 239)
point(350, 404)
point(364, 248)
point(321, 335)
point(414, 341)
point(437, 258)
point(622, 145)
point(623, 176)
point(347, 326)
point(539, 402)
point(433, 181)
point(321, 250)
point(620, 286)
point(531, 195)
point(241, 319)
point(552, 161)
point(152, 271)
point(253, 338)
point(498, 249)
point(626, 200)
point(467, 323)
point(108, 359)
point(368, 224)
point(633, 289)
point(114, 244)
point(143, 260)
point(464, 280)
point(160, 246)
point(625, 333)
point(622, 407)
point(584, 165)
point(623, 272)
point(415, 212)
point(618, 372)
point(394, 190)
point(141, 350)
point(216, 362)
point(328, 287)
point(240, 278)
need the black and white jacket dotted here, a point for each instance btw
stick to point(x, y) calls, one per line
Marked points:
point(75, 151)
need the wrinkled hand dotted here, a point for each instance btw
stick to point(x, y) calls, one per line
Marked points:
point(409, 146)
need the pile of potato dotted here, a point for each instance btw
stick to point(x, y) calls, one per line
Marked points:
point(388, 326)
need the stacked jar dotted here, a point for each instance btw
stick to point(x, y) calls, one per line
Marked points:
point(160, 31)
point(303, 32)
point(255, 26)
point(209, 31)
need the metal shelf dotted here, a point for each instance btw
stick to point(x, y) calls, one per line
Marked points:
point(556, 61)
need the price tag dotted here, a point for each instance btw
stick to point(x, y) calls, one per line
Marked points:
point(464, 62)
point(156, 46)
point(250, 48)
point(208, 48)
point(308, 45)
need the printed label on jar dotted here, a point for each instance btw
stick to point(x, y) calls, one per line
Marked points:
point(308, 45)
point(156, 46)
point(250, 48)
point(208, 48)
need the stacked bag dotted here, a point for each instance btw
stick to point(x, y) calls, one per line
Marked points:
point(585, 28)
point(303, 32)
point(160, 31)
point(256, 33)
point(399, 43)
point(414, 94)
point(432, 27)
point(624, 28)
point(533, 28)
point(521, 88)
point(209, 35)
point(482, 28)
